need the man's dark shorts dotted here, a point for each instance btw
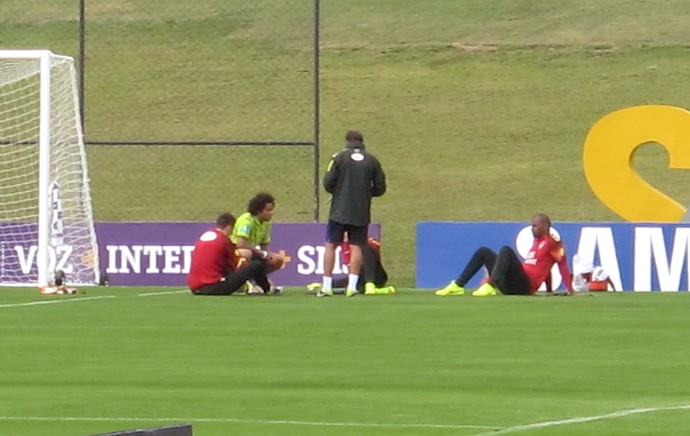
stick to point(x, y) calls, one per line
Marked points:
point(356, 235)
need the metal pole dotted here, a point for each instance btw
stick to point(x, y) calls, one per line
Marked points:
point(82, 51)
point(42, 255)
point(317, 25)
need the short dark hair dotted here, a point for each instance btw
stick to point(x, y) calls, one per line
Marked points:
point(353, 135)
point(225, 219)
point(543, 218)
point(259, 201)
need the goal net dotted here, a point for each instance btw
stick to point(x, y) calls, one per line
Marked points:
point(46, 219)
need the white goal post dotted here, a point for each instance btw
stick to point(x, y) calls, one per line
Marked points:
point(46, 216)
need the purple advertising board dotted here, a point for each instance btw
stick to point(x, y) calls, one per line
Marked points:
point(159, 254)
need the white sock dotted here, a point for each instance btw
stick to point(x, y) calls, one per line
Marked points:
point(352, 281)
point(327, 283)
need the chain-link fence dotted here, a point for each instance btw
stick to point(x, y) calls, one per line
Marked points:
point(189, 107)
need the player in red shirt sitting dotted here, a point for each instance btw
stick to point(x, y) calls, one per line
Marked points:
point(215, 268)
point(507, 274)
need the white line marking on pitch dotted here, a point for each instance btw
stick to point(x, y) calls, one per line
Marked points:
point(149, 294)
point(71, 300)
point(240, 421)
point(578, 420)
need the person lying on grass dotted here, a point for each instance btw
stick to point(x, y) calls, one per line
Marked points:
point(507, 274)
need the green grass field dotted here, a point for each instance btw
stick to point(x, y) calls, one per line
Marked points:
point(413, 363)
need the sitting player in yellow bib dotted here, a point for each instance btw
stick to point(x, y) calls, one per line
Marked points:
point(252, 232)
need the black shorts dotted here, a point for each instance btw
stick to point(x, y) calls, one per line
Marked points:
point(356, 235)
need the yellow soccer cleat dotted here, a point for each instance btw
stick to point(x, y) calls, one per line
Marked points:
point(452, 289)
point(324, 293)
point(386, 290)
point(311, 287)
point(351, 292)
point(255, 290)
point(485, 290)
point(369, 288)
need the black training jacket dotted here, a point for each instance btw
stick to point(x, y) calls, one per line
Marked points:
point(354, 176)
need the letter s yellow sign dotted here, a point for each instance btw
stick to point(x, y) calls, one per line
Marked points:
point(608, 160)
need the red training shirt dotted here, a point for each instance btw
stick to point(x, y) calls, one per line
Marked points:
point(546, 251)
point(213, 258)
point(345, 250)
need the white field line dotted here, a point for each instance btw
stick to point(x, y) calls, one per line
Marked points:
point(149, 294)
point(69, 300)
point(172, 421)
point(578, 420)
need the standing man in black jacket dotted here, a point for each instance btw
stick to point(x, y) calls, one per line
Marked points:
point(353, 177)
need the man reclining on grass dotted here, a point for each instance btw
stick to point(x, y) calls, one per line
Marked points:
point(507, 274)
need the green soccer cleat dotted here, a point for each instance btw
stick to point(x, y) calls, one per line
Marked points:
point(351, 292)
point(452, 289)
point(485, 290)
point(369, 288)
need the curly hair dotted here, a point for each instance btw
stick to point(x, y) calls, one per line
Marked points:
point(259, 201)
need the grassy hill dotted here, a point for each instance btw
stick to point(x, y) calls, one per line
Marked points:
point(477, 109)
